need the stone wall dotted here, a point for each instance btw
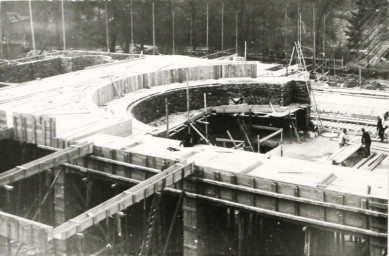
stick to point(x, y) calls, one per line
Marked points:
point(253, 93)
point(52, 66)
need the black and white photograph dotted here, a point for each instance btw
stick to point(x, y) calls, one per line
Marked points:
point(194, 127)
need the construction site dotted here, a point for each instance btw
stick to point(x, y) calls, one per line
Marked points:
point(191, 150)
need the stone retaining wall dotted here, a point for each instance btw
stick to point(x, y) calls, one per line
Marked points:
point(52, 66)
point(253, 93)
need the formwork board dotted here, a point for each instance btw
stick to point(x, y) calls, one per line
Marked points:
point(267, 195)
point(25, 231)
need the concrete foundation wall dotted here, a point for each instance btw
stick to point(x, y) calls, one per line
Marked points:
point(179, 75)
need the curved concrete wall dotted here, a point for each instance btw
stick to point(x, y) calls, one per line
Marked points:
point(133, 83)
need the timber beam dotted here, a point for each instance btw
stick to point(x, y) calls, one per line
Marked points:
point(287, 217)
point(123, 200)
point(40, 165)
point(266, 109)
point(305, 205)
point(270, 135)
point(83, 171)
point(261, 127)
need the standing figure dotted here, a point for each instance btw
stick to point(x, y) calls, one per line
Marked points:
point(343, 139)
point(380, 128)
point(366, 140)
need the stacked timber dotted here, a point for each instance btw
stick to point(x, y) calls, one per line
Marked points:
point(371, 162)
point(345, 152)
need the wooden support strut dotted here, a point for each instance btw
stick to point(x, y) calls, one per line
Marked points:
point(271, 135)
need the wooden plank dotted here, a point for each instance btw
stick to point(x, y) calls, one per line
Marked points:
point(25, 231)
point(302, 220)
point(300, 199)
point(270, 135)
point(261, 127)
point(228, 140)
point(44, 163)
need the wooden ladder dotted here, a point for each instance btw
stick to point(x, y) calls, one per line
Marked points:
point(302, 66)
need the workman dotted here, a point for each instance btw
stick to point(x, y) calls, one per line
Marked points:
point(380, 128)
point(343, 138)
point(366, 141)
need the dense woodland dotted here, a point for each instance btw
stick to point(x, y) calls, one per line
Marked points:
point(268, 26)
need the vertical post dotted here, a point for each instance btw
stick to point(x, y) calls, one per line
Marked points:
point(298, 21)
point(173, 43)
point(191, 30)
point(206, 119)
point(236, 32)
point(360, 76)
point(300, 36)
point(259, 146)
point(1, 35)
point(167, 117)
point(286, 29)
point(307, 244)
point(281, 141)
point(32, 27)
point(240, 232)
point(245, 50)
point(324, 35)
point(153, 30)
point(191, 226)
point(132, 27)
point(334, 67)
point(314, 39)
point(63, 25)
point(206, 42)
point(249, 129)
point(106, 25)
point(222, 26)
point(187, 100)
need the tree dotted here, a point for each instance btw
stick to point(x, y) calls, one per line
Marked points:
point(366, 9)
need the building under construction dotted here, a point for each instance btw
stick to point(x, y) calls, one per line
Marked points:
point(106, 153)
point(93, 161)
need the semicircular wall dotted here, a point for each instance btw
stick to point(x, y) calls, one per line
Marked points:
point(252, 92)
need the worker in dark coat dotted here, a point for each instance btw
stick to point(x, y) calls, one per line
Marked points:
point(366, 141)
point(380, 128)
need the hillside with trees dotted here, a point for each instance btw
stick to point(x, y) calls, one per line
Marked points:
point(268, 27)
